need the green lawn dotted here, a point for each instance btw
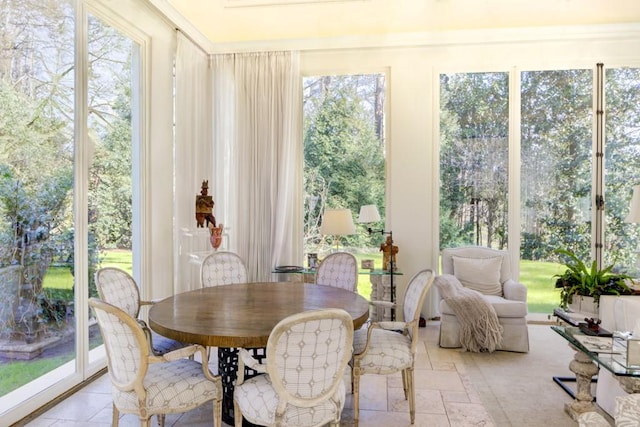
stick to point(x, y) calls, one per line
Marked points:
point(536, 275)
point(60, 277)
point(15, 374)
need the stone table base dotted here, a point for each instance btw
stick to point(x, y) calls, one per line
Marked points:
point(585, 369)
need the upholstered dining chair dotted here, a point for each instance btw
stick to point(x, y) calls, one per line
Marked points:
point(222, 268)
point(144, 384)
point(340, 270)
point(117, 287)
point(389, 347)
point(302, 378)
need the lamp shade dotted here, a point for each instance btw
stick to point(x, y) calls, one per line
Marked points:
point(368, 213)
point(337, 222)
point(634, 206)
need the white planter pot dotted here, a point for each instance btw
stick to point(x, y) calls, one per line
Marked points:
point(588, 306)
point(584, 305)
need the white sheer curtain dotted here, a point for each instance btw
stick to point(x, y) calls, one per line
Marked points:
point(258, 152)
point(193, 153)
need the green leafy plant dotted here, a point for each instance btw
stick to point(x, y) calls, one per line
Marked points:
point(580, 279)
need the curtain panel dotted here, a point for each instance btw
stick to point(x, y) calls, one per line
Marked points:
point(257, 116)
point(192, 151)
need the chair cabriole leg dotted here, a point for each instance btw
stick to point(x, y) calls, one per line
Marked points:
point(237, 414)
point(412, 395)
point(217, 412)
point(115, 416)
point(356, 393)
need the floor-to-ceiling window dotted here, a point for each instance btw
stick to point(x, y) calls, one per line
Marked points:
point(49, 249)
point(474, 157)
point(621, 166)
point(344, 159)
point(556, 171)
point(112, 64)
point(558, 167)
point(36, 195)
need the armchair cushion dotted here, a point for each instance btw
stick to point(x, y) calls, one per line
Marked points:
point(514, 291)
point(479, 274)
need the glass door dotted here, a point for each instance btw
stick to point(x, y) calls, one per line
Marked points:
point(474, 155)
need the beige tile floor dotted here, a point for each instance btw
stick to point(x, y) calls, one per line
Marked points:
point(444, 397)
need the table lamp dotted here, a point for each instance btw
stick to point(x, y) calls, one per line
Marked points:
point(370, 214)
point(337, 222)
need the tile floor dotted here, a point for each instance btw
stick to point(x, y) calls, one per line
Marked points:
point(444, 397)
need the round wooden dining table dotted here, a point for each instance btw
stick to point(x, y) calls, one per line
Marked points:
point(243, 315)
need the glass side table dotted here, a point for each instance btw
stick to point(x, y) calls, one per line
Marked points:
point(593, 353)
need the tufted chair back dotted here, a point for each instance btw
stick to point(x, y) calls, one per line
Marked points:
point(340, 270)
point(222, 268)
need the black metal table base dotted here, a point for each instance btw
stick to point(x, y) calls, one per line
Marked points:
point(228, 370)
point(562, 380)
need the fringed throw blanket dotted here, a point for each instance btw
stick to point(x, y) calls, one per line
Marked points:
point(479, 327)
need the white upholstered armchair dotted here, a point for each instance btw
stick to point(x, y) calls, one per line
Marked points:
point(302, 382)
point(487, 271)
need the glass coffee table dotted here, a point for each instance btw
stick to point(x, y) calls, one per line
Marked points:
point(593, 353)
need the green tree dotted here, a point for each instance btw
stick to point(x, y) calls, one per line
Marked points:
point(474, 158)
point(344, 160)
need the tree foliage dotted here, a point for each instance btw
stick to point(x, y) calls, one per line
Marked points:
point(343, 147)
point(556, 171)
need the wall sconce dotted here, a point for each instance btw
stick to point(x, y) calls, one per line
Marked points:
point(369, 214)
point(337, 222)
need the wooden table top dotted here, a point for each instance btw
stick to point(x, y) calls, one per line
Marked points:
point(243, 315)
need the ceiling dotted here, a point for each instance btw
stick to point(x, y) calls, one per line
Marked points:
point(233, 21)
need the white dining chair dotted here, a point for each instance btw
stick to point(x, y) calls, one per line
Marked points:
point(301, 382)
point(388, 347)
point(119, 288)
point(340, 270)
point(222, 268)
point(144, 384)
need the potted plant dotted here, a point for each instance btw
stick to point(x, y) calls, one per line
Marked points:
point(580, 280)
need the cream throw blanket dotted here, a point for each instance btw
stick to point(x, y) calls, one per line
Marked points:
point(480, 330)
